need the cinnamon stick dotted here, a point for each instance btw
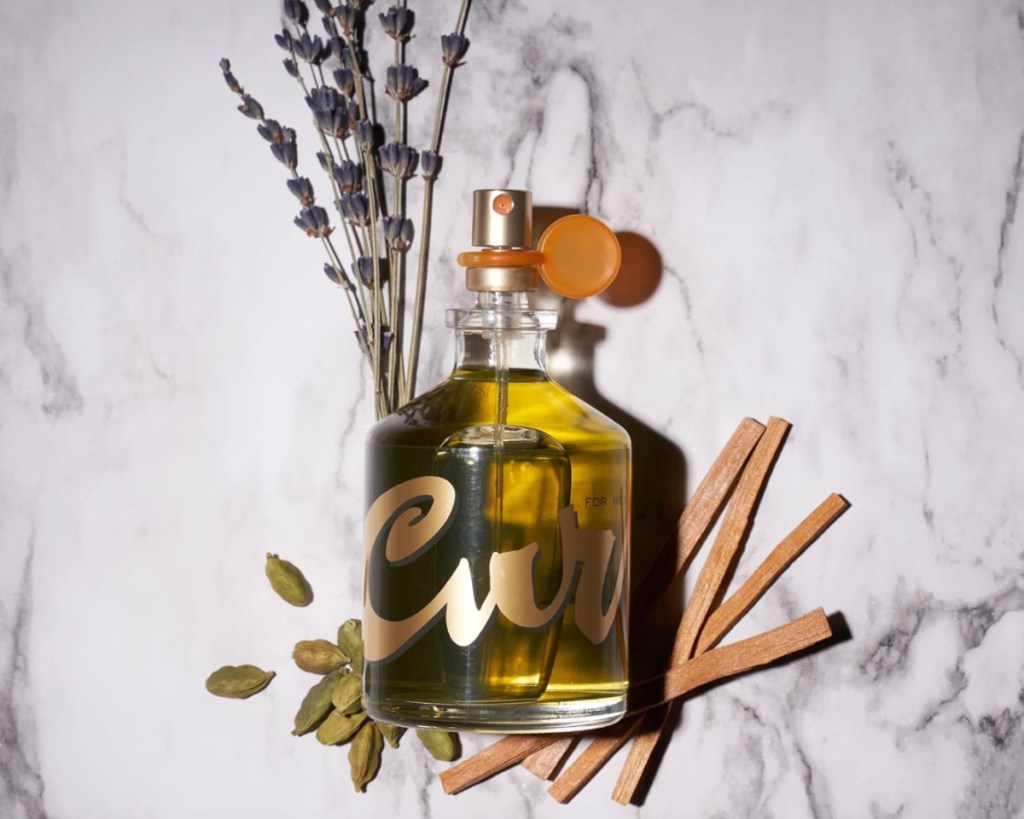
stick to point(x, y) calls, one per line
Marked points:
point(599, 751)
point(493, 759)
point(760, 650)
point(640, 752)
point(790, 548)
point(702, 509)
point(727, 661)
point(545, 762)
point(716, 664)
point(730, 536)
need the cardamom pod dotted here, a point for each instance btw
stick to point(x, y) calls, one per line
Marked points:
point(364, 754)
point(288, 581)
point(442, 745)
point(316, 704)
point(350, 640)
point(339, 728)
point(347, 694)
point(318, 656)
point(238, 681)
point(391, 733)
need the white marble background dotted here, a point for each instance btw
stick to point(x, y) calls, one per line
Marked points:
point(834, 190)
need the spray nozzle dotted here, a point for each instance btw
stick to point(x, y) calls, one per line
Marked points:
point(577, 256)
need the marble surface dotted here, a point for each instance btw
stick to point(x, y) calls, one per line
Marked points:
point(832, 189)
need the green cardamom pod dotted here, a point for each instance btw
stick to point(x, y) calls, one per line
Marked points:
point(391, 733)
point(288, 581)
point(347, 694)
point(318, 656)
point(238, 681)
point(350, 640)
point(316, 704)
point(339, 728)
point(364, 754)
point(442, 745)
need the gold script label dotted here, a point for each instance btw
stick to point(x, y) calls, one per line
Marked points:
point(412, 532)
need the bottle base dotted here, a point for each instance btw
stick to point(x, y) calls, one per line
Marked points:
point(491, 718)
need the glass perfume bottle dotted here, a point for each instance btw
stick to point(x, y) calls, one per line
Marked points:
point(498, 518)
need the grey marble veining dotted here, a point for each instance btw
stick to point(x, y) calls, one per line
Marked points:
point(833, 190)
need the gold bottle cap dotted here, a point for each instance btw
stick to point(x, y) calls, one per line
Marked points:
point(502, 219)
point(578, 256)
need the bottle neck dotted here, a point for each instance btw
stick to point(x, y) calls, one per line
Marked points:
point(501, 334)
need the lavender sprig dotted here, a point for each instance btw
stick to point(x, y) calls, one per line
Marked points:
point(332, 69)
point(331, 119)
point(454, 47)
point(403, 82)
point(397, 22)
point(398, 160)
point(312, 219)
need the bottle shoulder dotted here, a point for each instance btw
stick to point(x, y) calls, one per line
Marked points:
point(533, 400)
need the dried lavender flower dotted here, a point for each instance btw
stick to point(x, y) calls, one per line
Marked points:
point(355, 207)
point(324, 6)
point(338, 49)
point(314, 222)
point(284, 39)
point(311, 49)
point(291, 68)
point(365, 135)
point(403, 82)
point(302, 189)
point(271, 131)
point(364, 267)
point(333, 274)
point(229, 78)
point(286, 152)
point(348, 175)
point(430, 164)
point(398, 233)
point(333, 123)
point(346, 17)
point(362, 337)
point(398, 160)
point(353, 111)
point(397, 23)
point(324, 98)
point(453, 48)
point(329, 111)
point(250, 107)
point(296, 11)
point(345, 81)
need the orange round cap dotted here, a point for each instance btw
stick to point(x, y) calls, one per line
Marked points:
point(581, 256)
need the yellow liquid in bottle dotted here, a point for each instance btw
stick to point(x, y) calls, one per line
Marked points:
point(513, 469)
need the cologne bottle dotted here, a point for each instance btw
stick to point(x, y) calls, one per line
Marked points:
point(498, 503)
